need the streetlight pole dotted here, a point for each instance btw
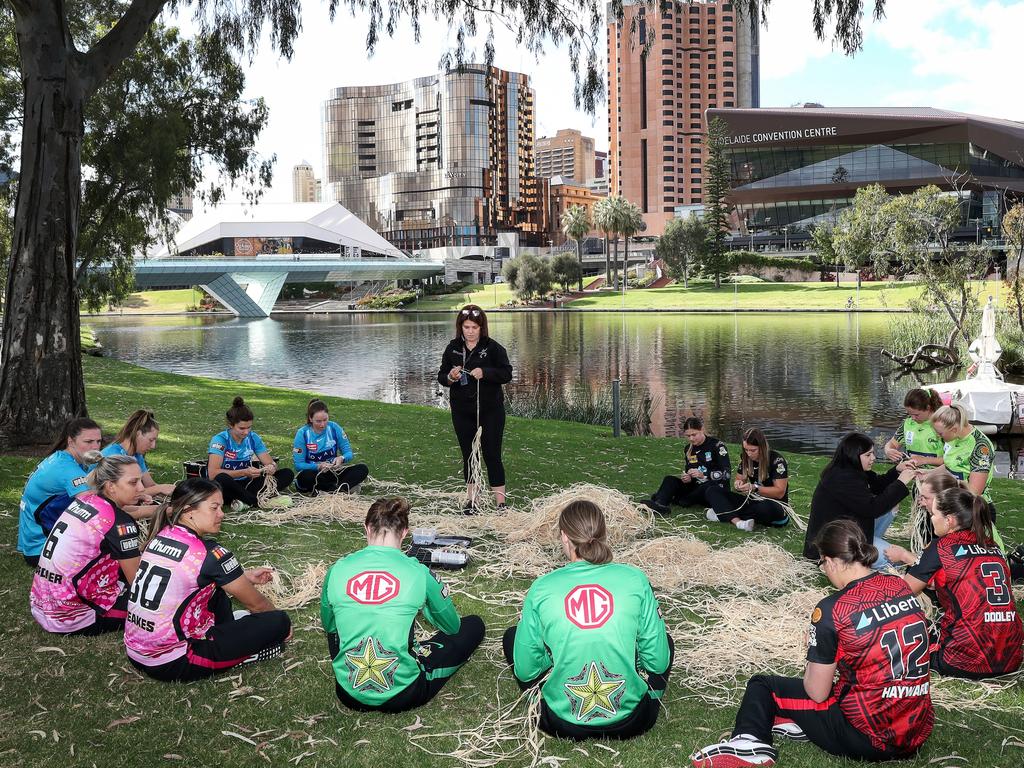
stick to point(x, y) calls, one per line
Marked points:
point(785, 235)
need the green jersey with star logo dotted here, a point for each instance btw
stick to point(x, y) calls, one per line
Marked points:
point(369, 602)
point(595, 627)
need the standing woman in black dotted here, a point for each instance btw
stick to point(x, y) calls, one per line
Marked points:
point(473, 367)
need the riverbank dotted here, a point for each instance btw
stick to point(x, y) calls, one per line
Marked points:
point(77, 701)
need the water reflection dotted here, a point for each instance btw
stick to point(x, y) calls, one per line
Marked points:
point(805, 378)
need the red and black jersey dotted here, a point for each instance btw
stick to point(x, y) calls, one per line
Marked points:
point(980, 631)
point(875, 632)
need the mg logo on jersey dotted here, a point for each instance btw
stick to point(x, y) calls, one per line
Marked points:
point(589, 606)
point(372, 587)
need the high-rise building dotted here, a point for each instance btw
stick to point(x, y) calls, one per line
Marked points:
point(568, 154)
point(304, 184)
point(600, 164)
point(694, 56)
point(440, 161)
point(181, 205)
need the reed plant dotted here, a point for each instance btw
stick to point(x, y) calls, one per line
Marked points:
point(585, 402)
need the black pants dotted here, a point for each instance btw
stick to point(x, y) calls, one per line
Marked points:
point(674, 491)
point(346, 478)
point(247, 489)
point(493, 423)
point(769, 696)
point(112, 620)
point(447, 654)
point(727, 506)
point(228, 644)
point(639, 721)
point(31, 560)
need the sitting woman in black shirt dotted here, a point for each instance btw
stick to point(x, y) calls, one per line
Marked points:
point(705, 463)
point(761, 488)
point(849, 489)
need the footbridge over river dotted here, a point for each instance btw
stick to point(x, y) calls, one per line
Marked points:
point(249, 287)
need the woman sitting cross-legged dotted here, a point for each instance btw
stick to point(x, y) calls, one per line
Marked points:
point(705, 463)
point(848, 488)
point(322, 454)
point(591, 635)
point(90, 557)
point(873, 632)
point(369, 603)
point(761, 488)
point(980, 632)
point(180, 623)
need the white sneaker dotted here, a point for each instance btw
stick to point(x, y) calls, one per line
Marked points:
point(788, 729)
point(709, 513)
point(278, 502)
point(737, 752)
point(267, 653)
point(238, 506)
point(744, 525)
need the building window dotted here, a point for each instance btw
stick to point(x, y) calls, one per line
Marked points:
point(643, 173)
point(727, 38)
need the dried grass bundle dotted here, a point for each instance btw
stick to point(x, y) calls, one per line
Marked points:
point(289, 592)
point(675, 562)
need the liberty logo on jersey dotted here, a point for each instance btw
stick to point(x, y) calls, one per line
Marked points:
point(372, 587)
point(589, 606)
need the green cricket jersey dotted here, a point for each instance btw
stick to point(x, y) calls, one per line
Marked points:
point(370, 600)
point(973, 453)
point(918, 439)
point(593, 626)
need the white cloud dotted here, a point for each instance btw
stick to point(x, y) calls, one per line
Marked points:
point(788, 42)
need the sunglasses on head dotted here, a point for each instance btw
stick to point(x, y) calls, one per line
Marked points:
point(473, 312)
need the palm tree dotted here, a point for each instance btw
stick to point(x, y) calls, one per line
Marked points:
point(618, 216)
point(632, 222)
point(604, 220)
point(575, 225)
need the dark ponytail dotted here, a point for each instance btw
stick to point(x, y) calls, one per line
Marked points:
point(843, 540)
point(972, 513)
point(923, 400)
point(238, 411)
point(71, 430)
point(188, 494)
point(388, 515)
point(139, 423)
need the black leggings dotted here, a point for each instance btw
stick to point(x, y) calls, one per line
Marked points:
point(769, 696)
point(493, 422)
point(639, 721)
point(447, 654)
point(230, 642)
point(674, 491)
point(247, 489)
point(727, 506)
point(112, 620)
point(345, 478)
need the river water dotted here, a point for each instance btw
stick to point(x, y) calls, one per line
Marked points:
point(805, 378)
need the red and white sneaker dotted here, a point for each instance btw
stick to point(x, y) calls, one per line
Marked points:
point(737, 752)
point(788, 729)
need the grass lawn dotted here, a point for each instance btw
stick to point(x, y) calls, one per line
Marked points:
point(486, 296)
point(177, 300)
point(78, 702)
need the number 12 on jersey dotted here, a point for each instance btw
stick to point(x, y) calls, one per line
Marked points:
point(907, 649)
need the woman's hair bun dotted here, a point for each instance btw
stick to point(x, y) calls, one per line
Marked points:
point(92, 457)
point(238, 402)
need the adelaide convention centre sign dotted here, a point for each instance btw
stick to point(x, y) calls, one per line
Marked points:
point(776, 136)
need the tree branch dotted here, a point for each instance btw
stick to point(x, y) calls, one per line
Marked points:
point(119, 43)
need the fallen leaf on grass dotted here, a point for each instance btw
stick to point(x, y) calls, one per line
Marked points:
point(361, 742)
point(415, 726)
point(240, 737)
point(50, 649)
point(122, 721)
point(173, 757)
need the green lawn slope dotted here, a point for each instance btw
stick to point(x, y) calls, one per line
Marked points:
point(78, 702)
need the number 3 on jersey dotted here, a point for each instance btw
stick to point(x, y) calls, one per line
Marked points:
point(907, 650)
point(151, 583)
point(996, 590)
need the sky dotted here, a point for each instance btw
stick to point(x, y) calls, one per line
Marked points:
point(950, 54)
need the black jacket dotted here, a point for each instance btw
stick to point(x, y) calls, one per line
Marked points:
point(489, 356)
point(712, 458)
point(855, 495)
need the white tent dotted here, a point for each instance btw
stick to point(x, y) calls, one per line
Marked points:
point(331, 222)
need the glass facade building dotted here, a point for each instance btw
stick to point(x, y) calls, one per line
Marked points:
point(445, 160)
point(792, 168)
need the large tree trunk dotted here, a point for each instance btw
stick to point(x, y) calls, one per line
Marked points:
point(615, 265)
point(625, 264)
point(607, 263)
point(41, 383)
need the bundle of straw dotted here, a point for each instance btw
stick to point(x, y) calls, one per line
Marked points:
point(289, 592)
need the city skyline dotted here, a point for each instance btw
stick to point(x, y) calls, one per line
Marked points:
point(915, 38)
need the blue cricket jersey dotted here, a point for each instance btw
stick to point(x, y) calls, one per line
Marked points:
point(116, 449)
point(236, 455)
point(57, 479)
point(310, 448)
